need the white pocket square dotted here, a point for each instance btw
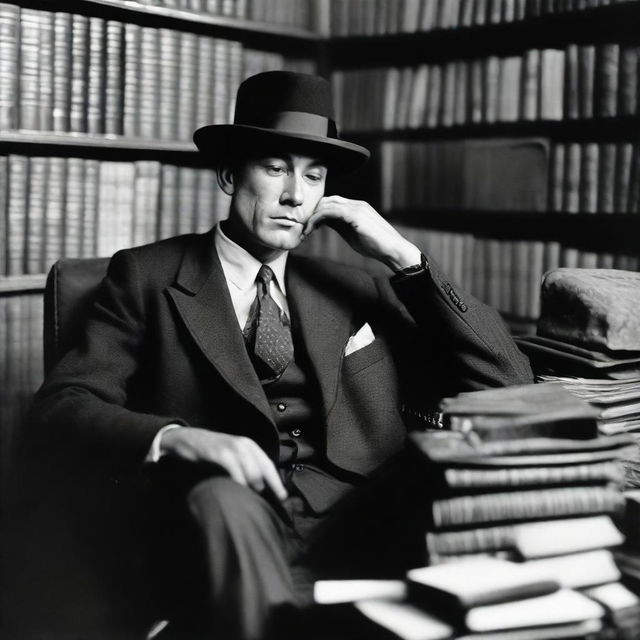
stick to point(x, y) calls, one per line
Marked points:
point(361, 338)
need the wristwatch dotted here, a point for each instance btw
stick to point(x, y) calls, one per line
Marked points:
point(423, 265)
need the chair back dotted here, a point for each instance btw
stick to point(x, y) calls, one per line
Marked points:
point(72, 285)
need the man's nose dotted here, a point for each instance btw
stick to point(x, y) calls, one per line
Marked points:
point(293, 194)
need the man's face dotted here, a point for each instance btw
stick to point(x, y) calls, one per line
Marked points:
point(273, 197)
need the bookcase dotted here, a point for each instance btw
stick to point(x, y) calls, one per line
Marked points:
point(98, 103)
point(504, 133)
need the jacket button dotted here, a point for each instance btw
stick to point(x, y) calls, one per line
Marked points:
point(295, 433)
point(298, 467)
point(463, 307)
point(281, 406)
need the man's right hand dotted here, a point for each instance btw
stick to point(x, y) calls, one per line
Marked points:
point(244, 460)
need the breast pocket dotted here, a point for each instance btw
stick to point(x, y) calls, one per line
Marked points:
point(363, 358)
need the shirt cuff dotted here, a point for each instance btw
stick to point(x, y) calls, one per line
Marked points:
point(155, 453)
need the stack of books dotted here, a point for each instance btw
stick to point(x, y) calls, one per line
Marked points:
point(520, 536)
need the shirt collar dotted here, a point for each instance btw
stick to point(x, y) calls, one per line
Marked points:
point(240, 267)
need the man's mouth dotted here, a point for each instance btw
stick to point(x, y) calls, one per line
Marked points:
point(284, 220)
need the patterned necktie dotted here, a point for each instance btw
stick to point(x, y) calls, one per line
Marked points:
point(268, 331)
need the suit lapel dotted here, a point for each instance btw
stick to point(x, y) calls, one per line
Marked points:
point(203, 301)
point(325, 324)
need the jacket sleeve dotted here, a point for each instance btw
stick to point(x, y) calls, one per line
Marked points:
point(471, 338)
point(82, 403)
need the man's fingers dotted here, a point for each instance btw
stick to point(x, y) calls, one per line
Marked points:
point(270, 474)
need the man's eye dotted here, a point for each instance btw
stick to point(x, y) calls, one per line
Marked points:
point(314, 177)
point(275, 169)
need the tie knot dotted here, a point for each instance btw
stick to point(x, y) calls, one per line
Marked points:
point(265, 275)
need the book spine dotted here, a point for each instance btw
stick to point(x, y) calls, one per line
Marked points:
point(188, 73)
point(90, 208)
point(593, 473)
point(606, 178)
point(186, 200)
point(221, 79)
point(45, 71)
point(38, 181)
point(525, 505)
point(606, 80)
point(628, 86)
point(96, 76)
point(148, 83)
point(54, 214)
point(205, 82)
point(79, 72)
point(168, 213)
point(4, 235)
point(9, 56)
point(114, 79)
point(61, 72)
point(73, 208)
point(131, 98)
point(29, 65)
point(17, 204)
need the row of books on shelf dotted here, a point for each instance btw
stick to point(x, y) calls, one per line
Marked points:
point(53, 207)
point(505, 274)
point(292, 13)
point(527, 174)
point(373, 17)
point(73, 73)
point(580, 81)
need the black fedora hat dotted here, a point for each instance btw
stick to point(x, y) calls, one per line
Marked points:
point(277, 109)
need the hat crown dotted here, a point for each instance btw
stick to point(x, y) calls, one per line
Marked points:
point(265, 96)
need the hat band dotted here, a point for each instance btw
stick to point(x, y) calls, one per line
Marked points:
point(294, 122)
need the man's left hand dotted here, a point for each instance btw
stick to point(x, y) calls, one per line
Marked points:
point(366, 231)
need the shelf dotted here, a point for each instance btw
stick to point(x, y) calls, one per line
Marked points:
point(588, 231)
point(270, 35)
point(98, 146)
point(616, 22)
point(22, 284)
point(618, 129)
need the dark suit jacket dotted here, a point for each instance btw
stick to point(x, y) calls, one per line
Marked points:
point(163, 345)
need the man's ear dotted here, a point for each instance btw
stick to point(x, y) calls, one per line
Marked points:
point(224, 175)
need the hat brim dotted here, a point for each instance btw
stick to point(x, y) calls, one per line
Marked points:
point(216, 142)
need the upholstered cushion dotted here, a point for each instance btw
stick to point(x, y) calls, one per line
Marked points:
point(71, 288)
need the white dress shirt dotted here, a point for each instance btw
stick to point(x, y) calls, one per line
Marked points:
point(240, 270)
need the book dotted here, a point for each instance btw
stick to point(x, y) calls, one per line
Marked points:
point(9, 52)
point(4, 190)
point(148, 83)
point(529, 539)
point(90, 208)
point(454, 589)
point(74, 203)
point(54, 213)
point(37, 186)
point(45, 71)
point(187, 96)
point(78, 73)
point(577, 570)
point(336, 591)
point(131, 80)
point(541, 504)
point(28, 84)
point(606, 80)
point(96, 76)
point(561, 607)
point(17, 204)
point(114, 80)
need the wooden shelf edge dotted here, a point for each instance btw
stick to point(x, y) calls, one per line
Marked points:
point(24, 283)
point(558, 129)
point(107, 141)
point(231, 24)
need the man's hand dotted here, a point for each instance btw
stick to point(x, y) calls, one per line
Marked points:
point(366, 231)
point(245, 461)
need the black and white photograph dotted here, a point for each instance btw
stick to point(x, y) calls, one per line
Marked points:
point(320, 319)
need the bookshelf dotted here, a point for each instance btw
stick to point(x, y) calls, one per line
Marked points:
point(79, 141)
point(435, 82)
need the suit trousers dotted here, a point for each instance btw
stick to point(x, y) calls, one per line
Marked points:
point(235, 563)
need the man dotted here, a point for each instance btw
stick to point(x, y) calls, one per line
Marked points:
point(259, 387)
